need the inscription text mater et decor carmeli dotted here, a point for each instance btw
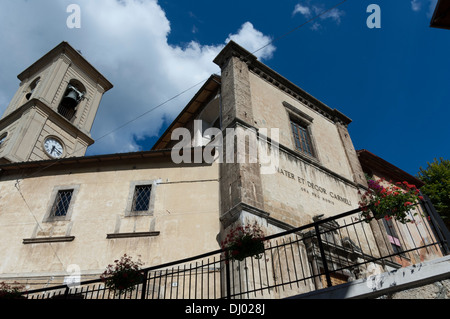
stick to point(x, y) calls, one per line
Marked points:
point(316, 190)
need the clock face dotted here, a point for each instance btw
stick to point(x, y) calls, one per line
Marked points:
point(53, 147)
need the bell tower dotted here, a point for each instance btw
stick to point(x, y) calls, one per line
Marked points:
point(51, 114)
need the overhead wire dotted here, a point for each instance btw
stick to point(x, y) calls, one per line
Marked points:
point(17, 186)
point(55, 161)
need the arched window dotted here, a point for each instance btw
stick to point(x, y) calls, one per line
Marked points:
point(72, 97)
point(31, 88)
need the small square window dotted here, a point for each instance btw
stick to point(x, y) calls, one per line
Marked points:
point(62, 202)
point(141, 198)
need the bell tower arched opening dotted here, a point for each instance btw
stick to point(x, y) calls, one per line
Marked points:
point(72, 97)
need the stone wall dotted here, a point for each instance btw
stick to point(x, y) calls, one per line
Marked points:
point(184, 221)
point(427, 280)
point(436, 290)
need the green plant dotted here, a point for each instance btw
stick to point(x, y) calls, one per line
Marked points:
point(242, 242)
point(8, 291)
point(437, 186)
point(391, 201)
point(124, 275)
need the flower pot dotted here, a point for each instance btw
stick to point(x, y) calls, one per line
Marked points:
point(247, 247)
point(391, 201)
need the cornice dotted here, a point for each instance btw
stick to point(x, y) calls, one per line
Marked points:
point(105, 161)
point(258, 68)
point(43, 108)
point(201, 98)
point(65, 51)
point(372, 162)
point(283, 84)
point(232, 49)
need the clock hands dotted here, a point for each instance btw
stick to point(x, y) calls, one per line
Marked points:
point(55, 150)
point(58, 152)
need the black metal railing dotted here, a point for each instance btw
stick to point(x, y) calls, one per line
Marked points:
point(325, 253)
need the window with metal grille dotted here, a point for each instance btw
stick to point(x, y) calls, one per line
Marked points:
point(62, 202)
point(302, 138)
point(393, 236)
point(141, 198)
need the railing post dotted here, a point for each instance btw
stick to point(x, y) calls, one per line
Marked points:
point(144, 285)
point(228, 277)
point(66, 292)
point(322, 255)
point(439, 226)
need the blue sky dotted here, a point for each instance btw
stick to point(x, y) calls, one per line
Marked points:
point(392, 81)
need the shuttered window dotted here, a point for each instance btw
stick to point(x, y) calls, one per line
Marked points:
point(302, 138)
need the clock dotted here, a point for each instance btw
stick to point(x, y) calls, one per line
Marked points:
point(53, 147)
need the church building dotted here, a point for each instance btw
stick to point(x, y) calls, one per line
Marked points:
point(250, 146)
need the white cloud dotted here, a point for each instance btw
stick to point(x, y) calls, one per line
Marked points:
point(302, 10)
point(127, 41)
point(253, 40)
point(311, 11)
point(334, 14)
point(430, 5)
point(416, 5)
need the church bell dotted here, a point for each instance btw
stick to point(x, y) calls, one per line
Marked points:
point(70, 100)
point(67, 107)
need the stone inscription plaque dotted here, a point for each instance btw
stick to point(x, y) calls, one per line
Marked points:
point(313, 189)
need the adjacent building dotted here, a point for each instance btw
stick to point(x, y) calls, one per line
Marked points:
point(441, 16)
point(402, 237)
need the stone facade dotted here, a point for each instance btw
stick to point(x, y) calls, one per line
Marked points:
point(299, 186)
point(259, 149)
point(99, 227)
